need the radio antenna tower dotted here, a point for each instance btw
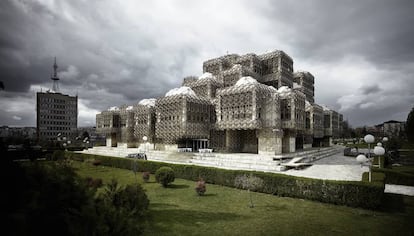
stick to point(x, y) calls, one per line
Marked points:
point(55, 78)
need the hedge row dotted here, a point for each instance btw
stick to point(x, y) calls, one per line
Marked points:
point(396, 177)
point(349, 193)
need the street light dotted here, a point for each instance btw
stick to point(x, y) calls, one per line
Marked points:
point(369, 139)
point(379, 151)
point(362, 159)
point(385, 140)
point(145, 138)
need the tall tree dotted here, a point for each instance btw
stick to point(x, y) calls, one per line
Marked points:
point(409, 126)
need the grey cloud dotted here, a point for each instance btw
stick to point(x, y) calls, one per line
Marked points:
point(325, 30)
point(368, 89)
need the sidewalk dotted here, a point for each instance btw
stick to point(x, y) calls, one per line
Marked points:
point(399, 189)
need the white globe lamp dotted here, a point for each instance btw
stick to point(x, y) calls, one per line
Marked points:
point(145, 138)
point(361, 158)
point(379, 151)
point(369, 138)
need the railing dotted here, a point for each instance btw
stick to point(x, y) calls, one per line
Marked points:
point(205, 150)
point(184, 149)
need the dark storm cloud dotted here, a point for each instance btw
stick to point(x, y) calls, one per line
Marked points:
point(87, 40)
point(379, 30)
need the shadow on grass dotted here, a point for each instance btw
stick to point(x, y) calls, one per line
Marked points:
point(161, 205)
point(393, 203)
point(208, 195)
point(267, 207)
point(177, 186)
point(165, 220)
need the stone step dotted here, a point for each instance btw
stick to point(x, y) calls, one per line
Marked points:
point(250, 166)
point(251, 162)
point(223, 160)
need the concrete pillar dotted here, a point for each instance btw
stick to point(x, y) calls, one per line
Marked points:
point(269, 142)
point(231, 141)
point(108, 142)
point(292, 144)
point(289, 141)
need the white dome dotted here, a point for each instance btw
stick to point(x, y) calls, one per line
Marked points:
point(207, 75)
point(113, 109)
point(150, 102)
point(184, 90)
point(284, 91)
point(246, 80)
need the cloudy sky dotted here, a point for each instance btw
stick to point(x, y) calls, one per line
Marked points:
point(119, 52)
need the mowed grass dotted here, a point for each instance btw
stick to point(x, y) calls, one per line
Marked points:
point(177, 210)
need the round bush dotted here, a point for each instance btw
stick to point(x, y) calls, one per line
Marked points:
point(164, 176)
point(200, 187)
point(146, 176)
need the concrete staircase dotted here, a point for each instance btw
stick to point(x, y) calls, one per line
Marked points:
point(163, 156)
point(236, 161)
point(267, 163)
point(311, 155)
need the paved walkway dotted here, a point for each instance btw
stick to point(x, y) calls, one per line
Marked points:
point(399, 189)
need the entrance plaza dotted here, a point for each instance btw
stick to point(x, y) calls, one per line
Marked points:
point(327, 163)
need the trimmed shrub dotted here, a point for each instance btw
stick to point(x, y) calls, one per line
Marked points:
point(58, 155)
point(396, 177)
point(96, 162)
point(200, 187)
point(164, 176)
point(145, 176)
point(93, 183)
point(349, 193)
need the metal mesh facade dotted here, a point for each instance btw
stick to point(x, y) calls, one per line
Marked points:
point(316, 121)
point(248, 106)
point(293, 111)
point(205, 88)
point(182, 117)
point(274, 68)
point(144, 118)
point(307, 83)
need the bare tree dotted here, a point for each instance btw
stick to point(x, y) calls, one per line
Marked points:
point(249, 182)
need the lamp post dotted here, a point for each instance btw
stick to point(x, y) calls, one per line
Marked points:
point(369, 139)
point(385, 140)
point(379, 151)
point(362, 159)
point(145, 138)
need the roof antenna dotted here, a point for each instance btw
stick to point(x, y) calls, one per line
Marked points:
point(55, 78)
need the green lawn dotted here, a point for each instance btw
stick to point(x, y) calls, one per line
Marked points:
point(177, 210)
